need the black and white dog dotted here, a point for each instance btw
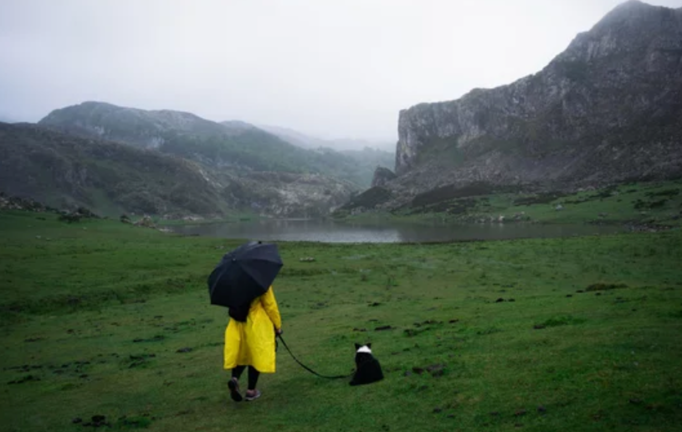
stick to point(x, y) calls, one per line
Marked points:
point(367, 368)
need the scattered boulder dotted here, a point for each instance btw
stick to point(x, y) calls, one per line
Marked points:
point(16, 203)
point(146, 222)
point(77, 215)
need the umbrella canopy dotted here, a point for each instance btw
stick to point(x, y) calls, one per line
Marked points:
point(244, 274)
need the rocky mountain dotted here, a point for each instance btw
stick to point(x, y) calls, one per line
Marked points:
point(607, 109)
point(231, 145)
point(66, 171)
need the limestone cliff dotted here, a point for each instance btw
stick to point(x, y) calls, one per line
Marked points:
point(608, 108)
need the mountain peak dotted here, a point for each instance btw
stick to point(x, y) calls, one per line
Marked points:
point(611, 94)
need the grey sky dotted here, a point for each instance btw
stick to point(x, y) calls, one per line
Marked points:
point(339, 68)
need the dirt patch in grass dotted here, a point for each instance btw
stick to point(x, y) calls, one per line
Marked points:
point(559, 321)
point(541, 198)
point(605, 286)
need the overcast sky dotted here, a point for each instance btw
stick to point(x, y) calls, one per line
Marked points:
point(340, 68)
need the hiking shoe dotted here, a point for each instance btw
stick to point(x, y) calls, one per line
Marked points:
point(233, 385)
point(250, 397)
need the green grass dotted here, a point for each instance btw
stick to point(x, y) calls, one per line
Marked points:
point(655, 203)
point(93, 318)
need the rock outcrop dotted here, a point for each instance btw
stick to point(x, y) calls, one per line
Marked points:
point(382, 176)
point(607, 109)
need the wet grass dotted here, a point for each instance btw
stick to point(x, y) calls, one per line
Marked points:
point(652, 203)
point(108, 320)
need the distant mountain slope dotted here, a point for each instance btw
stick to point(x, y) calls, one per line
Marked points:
point(365, 156)
point(339, 144)
point(64, 170)
point(232, 145)
point(607, 109)
point(146, 129)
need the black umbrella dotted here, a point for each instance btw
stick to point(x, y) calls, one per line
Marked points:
point(244, 274)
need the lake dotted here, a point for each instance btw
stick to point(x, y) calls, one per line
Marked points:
point(329, 231)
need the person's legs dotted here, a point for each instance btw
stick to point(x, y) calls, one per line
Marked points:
point(253, 377)
point(233, 384)
point(237, 372)
point(252, 393)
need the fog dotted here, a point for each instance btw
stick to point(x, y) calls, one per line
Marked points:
point(331, 69)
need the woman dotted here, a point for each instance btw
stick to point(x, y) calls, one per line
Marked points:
point(250, 341)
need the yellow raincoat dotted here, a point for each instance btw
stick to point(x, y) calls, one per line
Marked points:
point(252, 343)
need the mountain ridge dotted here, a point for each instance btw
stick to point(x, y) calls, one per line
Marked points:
point(233, 145)
point(606, 109)
point(68, 171)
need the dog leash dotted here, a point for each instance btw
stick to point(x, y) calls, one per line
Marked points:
point(306, 367)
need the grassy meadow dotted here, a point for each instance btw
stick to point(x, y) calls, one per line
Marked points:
point(100, 318)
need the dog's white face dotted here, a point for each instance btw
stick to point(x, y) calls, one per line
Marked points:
point(364, 349)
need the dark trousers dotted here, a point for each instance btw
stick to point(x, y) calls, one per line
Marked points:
point(253, 375)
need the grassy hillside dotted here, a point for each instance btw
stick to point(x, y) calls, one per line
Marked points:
point(640, 203)
point(105, 319)
point(63, 170)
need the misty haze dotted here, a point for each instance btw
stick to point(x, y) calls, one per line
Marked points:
point(468, 210)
